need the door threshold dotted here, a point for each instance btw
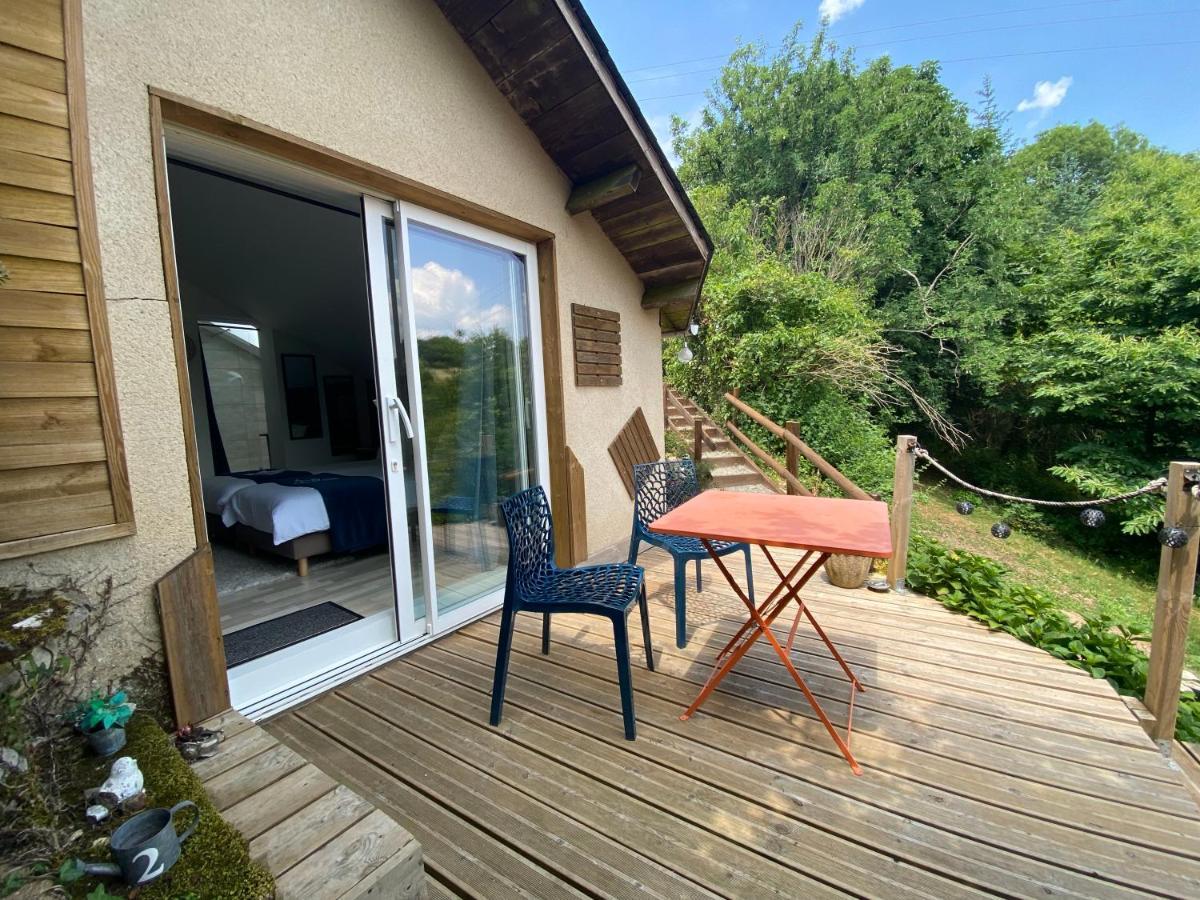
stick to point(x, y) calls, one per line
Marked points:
point(281, 701)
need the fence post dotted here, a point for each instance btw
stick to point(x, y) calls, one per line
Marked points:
point(902, 497)
point(1176, 584)
point(793, 455)
point(697, 439)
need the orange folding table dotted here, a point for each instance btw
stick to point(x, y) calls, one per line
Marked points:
point(817, 526)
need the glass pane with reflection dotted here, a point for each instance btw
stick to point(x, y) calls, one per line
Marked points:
point(471, 311)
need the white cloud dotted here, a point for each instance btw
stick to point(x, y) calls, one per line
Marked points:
point(1046, 95)
point(447, 301)
point(832, 10)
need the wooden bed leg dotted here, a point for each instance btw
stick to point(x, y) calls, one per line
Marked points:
point(302, 566)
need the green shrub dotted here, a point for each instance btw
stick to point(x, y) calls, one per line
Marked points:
point(980, 588)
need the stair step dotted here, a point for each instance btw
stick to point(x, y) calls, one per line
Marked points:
point(725, 480)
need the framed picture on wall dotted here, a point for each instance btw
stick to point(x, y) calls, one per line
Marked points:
point(302, 396)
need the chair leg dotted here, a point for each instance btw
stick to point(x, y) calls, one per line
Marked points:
point(749, 576)
point(503, 648)
point(644, 605)
point(680, 603)
point(699, 582)
point(545, 634)
point(635, 544)
point(624, 676)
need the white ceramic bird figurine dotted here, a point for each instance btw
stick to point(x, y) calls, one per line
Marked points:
point(124, 782)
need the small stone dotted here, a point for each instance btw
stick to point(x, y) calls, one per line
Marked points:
point(96, 814)
point(13, 761)
point(136, 803)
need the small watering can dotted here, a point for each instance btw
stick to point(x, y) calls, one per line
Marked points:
point(148, 845)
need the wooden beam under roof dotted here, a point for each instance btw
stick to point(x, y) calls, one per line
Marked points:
point(613, 186)
point(670, 294)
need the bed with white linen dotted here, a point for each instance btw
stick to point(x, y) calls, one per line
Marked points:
point(288, 520)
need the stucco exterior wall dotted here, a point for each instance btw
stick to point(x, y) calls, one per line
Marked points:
point(388, 82)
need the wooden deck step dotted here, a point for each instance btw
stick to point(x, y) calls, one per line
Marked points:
point(316, 836)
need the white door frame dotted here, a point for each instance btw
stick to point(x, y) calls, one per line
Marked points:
point(402, 214)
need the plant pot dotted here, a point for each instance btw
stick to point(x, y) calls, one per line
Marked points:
point(106, 741)
point(847, 571)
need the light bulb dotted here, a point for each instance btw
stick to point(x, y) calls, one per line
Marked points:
point(693, 327)
point(685, 354)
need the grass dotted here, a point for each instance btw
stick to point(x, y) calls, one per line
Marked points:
point(1080, 581)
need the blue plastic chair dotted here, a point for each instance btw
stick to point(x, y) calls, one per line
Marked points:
point(659, 487)
point(535, 584)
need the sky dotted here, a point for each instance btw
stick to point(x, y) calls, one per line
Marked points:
point(1129, 62)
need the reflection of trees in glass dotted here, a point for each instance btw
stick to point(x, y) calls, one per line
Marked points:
point(471, 403)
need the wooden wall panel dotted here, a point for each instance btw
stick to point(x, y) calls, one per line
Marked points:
point(596, 335)
point(62, 466)
point(29, 205)
point(633, 444)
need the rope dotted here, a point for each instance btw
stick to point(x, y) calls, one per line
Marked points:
point(1149, 487)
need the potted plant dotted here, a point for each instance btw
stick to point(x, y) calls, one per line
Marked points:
point(103, 720)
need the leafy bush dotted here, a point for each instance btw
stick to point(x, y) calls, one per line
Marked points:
point(980, 588)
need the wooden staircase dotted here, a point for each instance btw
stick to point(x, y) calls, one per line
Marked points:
point(732, 469)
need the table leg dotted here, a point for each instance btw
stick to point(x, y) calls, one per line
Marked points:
point(807, 613)
point(771, 598)
point(760, 625)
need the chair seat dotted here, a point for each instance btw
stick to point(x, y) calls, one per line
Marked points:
point(678, 545)
point(613, 586)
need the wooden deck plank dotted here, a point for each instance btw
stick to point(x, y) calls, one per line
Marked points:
point(253, 775)
point(866, 870)
point(345, 861)
point(678, 849)
point(1011, 825)
point(457, 853)
point(900, 836)
point(990, 765)
point(310, 828)
point(884, 732)
point(283, 798)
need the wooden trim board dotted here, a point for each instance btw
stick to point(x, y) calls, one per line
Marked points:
point(166, 235)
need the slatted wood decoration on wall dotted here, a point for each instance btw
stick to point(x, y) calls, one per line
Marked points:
point(634, 444)
point(597, 342)
point(62, 467)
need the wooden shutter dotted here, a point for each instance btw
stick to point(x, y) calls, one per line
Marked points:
point(62, 466)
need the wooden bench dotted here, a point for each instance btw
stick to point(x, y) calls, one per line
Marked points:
point(317, 837)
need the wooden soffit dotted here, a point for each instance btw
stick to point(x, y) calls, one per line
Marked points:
point(546, 58)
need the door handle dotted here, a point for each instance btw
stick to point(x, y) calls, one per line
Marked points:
point(401, 414)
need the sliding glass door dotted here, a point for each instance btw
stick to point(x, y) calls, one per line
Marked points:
point(462, 401)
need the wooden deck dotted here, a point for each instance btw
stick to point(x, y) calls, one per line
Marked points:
point(990, 767)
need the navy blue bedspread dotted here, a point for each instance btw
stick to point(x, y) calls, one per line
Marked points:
point(356, 505)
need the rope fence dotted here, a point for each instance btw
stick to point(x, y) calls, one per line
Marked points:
point(1158, 485)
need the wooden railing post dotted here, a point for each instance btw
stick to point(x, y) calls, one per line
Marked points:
point(793, 455)
point(902, 498)
point(697, 439)
point(1176, 585)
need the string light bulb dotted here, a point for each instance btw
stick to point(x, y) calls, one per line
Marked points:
point(693, 327)
point(685, 353)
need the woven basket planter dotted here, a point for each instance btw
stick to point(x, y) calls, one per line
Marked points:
point(846, 571)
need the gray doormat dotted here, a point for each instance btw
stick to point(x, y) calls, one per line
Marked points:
point(267, 637)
